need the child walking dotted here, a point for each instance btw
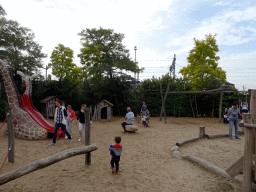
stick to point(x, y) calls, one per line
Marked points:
point(115, 152)
point(143, 119)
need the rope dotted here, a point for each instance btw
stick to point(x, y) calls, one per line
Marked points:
point(10, 148)
point(4, 121)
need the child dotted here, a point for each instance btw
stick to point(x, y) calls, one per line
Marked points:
point(115, 152)
point(143, 119)
point(225, 118)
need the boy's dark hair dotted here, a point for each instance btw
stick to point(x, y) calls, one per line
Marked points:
point(117, 139)
point(235, 103)
point(59, 101)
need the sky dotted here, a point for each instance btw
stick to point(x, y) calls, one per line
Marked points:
point(159, 30)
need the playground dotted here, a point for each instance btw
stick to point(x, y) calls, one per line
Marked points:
point(147, 164)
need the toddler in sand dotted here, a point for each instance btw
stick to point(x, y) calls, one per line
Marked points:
point(143, 119)
point(115, 152)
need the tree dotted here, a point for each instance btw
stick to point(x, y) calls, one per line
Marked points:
point(103, 53)
point(203, 71)
point(17, 46)
point(62, 64)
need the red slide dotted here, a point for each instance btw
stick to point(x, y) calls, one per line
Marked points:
point(37, 118)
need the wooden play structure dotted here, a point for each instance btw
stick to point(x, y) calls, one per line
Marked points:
point(103, 110)
point(48, 106)
point(220, 91)
point(246, 163)
point(45, 162)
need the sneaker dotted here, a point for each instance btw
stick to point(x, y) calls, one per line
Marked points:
point(113, 170)
point(70, 140)
point(117, 172)
point(238, 138)
point(79, 139)
point(125, 131)
point(52, 144)
point(66, 137)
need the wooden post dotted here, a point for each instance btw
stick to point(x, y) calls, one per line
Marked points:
point(202, 132)
point(220, 108)
point(162, 109)
point(137, 118)
point(248, 153)
point(11, 137)
point(253, 105)
point(87, 135)
point(253, 113)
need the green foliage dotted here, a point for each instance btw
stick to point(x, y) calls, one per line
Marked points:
point(203, 71)
point(18, 47)
point(103, 54)
point(63, 66)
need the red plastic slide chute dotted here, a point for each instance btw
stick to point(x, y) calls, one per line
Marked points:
point(27, 106)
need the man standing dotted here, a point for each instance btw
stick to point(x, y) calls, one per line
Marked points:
point(233, 114)
point(60, 121)
point(129, 118)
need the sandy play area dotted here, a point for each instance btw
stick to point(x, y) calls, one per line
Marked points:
point(146, 161)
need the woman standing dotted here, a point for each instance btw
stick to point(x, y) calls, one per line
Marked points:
point(81, 119)
point(70, 120)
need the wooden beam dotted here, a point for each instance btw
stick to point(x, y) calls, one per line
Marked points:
point(87, 135)
point(201, 132)
point(39, 164)
point(248, 153)
point(220, 108)
point(11, 137)
point(236, 167)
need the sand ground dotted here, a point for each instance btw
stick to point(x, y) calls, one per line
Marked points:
point(146, 161)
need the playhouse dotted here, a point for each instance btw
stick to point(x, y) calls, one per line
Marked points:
point(103, 110)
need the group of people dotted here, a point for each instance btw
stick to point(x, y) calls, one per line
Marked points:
point(64, 119)
point(232, 116)
point(129, 117)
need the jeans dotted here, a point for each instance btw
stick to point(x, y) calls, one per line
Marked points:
point(69, 127)
point(123, 125)
point(115, 160)
point(56, 127)
point(231, 123)
point(144, 123)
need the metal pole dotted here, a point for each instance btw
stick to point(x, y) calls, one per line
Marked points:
point(135, 48)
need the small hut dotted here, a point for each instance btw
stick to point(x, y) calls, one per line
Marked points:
point(103, 110)
point(48, 106)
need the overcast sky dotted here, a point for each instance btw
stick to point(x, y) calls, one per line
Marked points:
point(159, 30)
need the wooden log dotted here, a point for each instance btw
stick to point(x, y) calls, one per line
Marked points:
point(236, 167)
point(207, 165)
point(87, 135)
point(131, 128)
point(201, 132)
point(187, 141)
point(241, 123)
point(39, 164)
point(248, 153)
point(216, 136)
point(11, 137)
